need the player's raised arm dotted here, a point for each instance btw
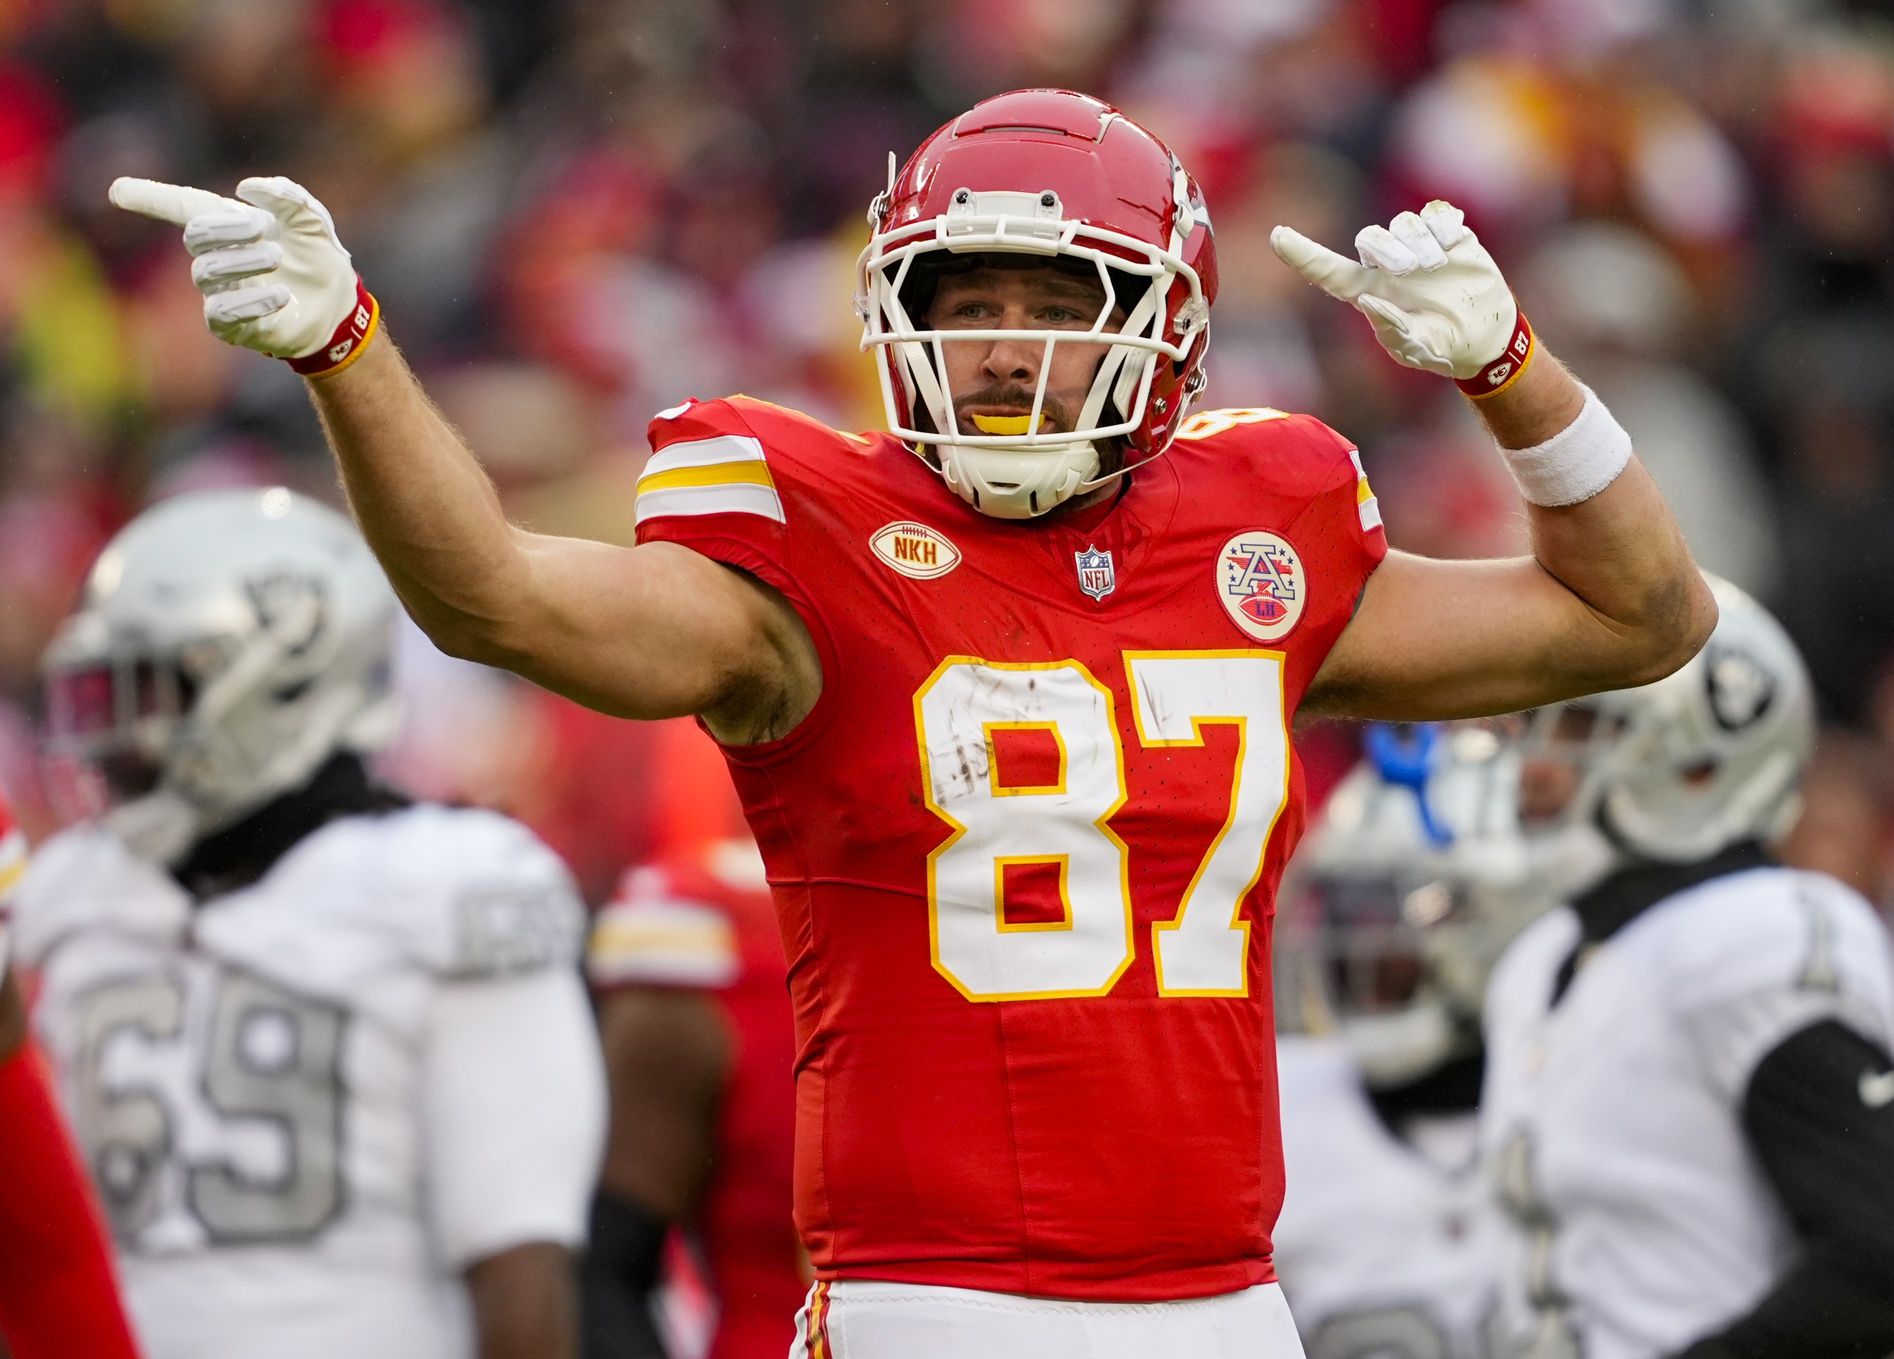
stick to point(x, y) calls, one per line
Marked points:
point(1610, 596)
point(650, 631)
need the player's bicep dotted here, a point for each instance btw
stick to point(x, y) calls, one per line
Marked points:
point(658, 630)
point(1432, 640)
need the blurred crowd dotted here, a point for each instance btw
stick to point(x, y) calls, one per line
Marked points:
point(577, 212)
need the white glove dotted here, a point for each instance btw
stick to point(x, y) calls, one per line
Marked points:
point(274, 277)
point(1434, 296)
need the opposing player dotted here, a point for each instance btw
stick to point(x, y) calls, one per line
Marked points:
point(700, 1051)
point(57, 1293)
point(1408, 887)
point(1689, 1105)
point(327, 1053)
point(1007, 690)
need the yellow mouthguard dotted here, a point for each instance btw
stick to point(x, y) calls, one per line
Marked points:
point(1007, 424)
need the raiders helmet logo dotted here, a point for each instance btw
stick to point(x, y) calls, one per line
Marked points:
point(1741, 689)
point(292, 608)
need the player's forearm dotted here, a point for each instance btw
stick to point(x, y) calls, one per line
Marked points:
point(1619, 552)
point(425, 505)
point(525, 1303)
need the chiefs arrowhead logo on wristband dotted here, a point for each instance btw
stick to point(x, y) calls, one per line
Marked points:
point(349, 340)
point(1505, 370)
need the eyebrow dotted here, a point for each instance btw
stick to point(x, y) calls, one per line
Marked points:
point(1061, 284)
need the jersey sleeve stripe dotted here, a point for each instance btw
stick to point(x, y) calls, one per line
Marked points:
point(12, 860)
point(662, 922)
point(1366, 506)
point(740, 498)
point(662, 946)
point(708, 452)
point(722, 474)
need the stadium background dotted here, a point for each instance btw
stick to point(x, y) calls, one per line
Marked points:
point(576, 212)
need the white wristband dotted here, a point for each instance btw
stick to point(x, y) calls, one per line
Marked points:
point(1576, 463)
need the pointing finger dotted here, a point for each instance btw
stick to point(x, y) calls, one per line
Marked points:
point(1334, 274)
point(174, 203)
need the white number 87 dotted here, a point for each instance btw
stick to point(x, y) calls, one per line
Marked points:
point(1204, 949)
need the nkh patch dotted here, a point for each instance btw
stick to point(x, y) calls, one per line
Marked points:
point(915, 550)
point(1262, 584)
point(1097, 576)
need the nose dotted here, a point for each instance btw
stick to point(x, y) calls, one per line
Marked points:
point(1012, 361)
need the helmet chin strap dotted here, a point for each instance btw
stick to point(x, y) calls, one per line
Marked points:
point(1021, 482)
point(1018, 483)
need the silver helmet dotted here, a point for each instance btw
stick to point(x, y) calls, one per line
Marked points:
point(1410, 885)
point(228, 644)
point(1675, 771)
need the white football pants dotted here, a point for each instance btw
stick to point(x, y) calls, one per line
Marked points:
point(862, 1320)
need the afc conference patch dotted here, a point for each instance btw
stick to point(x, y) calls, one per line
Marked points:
point(1097, 576)
point(1262, 584)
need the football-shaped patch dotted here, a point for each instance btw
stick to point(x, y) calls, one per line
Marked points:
point(915, 549)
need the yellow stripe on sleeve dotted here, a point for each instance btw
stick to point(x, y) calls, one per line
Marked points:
point(717, 474)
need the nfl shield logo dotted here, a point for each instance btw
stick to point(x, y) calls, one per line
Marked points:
point(1096, 576)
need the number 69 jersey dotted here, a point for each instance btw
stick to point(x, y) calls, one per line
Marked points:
point(310, 1103)
point(1024, 849)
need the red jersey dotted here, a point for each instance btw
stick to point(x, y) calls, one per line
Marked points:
point(1024, 848)
point(704, 920)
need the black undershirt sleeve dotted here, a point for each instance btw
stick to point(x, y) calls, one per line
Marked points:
point(1823, 1129)
point(622, 1265)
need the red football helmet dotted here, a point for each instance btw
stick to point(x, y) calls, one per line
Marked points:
point(1062, 175)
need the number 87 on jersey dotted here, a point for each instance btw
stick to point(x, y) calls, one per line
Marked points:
point(1031, 895)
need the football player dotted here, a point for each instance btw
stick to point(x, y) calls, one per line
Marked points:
point(1689, 1103)
point(327, 1053)
point(1410, 884)
point(57, 1294)
point(699, 1049)
point(1007, 689)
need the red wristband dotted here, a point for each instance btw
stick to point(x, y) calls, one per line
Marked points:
point(1503, 371)
point(349, 340)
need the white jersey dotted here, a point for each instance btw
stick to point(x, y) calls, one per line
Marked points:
point(311, 1103)
point(1612, 1122)
point(1385, 1250)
